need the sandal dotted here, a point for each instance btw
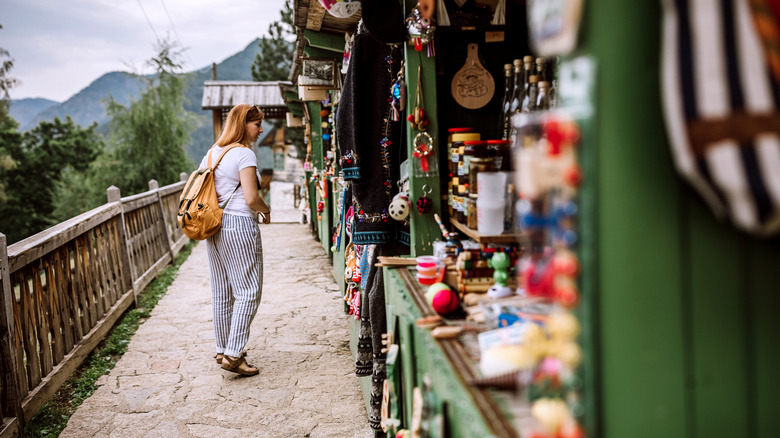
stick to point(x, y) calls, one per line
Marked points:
point(239, 366)
point(219, 356)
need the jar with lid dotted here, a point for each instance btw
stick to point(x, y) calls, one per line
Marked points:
point(472, 149)
point(471, 216)
point(455, 140)
point(477, 165)
point(501, 151)
point(451, 134)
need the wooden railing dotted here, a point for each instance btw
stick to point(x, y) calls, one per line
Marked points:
point(64, 288)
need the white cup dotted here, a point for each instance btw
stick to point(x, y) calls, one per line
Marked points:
point(491, 186)
point(490, 215)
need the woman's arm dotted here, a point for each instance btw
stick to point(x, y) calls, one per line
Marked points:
point(248, 177)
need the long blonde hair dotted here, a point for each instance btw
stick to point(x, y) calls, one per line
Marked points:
point(234, 130)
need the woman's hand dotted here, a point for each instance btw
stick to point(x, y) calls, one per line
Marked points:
point(266, 217)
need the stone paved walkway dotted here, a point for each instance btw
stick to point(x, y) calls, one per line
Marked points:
point(168, 385)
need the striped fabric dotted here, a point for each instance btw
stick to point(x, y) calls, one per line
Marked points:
point(721, 103)
point(235, 255)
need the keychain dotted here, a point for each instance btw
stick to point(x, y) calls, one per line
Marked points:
point(398, 93)
point(400, 206)
point(424, 203)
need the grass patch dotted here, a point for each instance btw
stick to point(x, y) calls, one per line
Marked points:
point(54, 416)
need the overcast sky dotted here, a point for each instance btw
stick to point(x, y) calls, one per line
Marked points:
point(61, 46)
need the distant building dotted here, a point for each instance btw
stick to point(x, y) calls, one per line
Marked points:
point(281, 158)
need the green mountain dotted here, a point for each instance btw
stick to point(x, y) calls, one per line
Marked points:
point(24, 110)
point(87, 106)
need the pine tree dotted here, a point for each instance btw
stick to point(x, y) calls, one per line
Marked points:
point(274, 61)
point(6, 122)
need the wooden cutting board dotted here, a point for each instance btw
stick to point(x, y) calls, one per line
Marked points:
point(472, 86)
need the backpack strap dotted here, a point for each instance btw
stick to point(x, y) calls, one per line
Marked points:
point(217, 163)
point(231, 195)
point(234, 145)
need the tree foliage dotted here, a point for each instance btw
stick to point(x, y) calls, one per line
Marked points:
point(6, 123)
point(41, 155)
point(147, 138)
point(274, 61)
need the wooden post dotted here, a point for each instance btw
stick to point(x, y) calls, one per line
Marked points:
point(155, 186)
point(216, 115)
point(114, 195)
point(11, 412)
point(183, 176)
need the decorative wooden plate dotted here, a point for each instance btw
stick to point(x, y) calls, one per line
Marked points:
point(472, 86)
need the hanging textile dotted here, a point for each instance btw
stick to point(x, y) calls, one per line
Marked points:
point(368, 137)
point(721, 97)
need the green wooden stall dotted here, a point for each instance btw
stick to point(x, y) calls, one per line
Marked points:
point(678, 308)
point(681, 336)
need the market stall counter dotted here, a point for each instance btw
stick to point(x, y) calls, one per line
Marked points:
point(433, 381)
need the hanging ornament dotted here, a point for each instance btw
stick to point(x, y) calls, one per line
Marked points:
point(341, 8)
point(400, 206)
point(417, 117)
point(423, 148)
point(424, 203)
point(398, 92)
point(421, 30)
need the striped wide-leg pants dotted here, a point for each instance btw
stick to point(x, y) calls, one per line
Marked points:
point(235, 255)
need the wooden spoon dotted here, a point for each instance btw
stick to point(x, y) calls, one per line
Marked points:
point(472, 86)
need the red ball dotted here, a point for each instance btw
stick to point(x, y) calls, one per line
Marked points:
point(445, 301)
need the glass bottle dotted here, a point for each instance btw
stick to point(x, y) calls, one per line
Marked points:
point(529, 101)
point(543, 99)
point(505, 112)
point(517, 91)
point(528, 66)
point(541, 69)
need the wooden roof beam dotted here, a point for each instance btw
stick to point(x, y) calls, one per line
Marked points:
point(316, 15)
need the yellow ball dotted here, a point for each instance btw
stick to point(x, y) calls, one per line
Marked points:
point(563, 326)
point(570, 354)
point(550, 413)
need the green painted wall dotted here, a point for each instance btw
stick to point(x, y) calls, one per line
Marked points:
point(684, 341)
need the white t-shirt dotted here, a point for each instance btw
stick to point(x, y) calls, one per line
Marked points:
point(226, 177)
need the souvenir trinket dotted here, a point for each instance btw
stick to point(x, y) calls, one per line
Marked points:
point(417, 117)
point(424, 203)
point(423, 148)
point(421, 31)
point(341, 8)
point(398, 93)
point(400, 206)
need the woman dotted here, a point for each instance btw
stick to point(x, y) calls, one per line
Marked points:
point(236, 251)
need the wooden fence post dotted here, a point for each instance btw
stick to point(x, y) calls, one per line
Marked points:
point(113, 194)
point(155, 186)
point(11, 412)
point(184, 176)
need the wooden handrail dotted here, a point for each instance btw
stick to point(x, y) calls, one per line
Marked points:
point(63, 288)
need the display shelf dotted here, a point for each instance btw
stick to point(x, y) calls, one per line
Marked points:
point(485, 238)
